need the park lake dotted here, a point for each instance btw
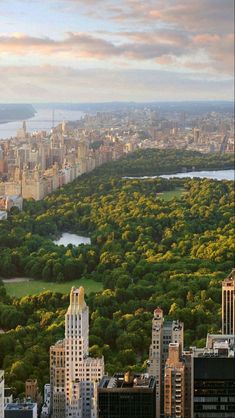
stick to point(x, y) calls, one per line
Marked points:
point(74, 239)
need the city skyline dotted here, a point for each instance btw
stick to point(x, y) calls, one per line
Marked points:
point(94, 51)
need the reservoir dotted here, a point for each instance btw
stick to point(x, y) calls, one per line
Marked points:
point(213, 175)
point(67, 238)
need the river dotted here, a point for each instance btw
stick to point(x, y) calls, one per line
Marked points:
point(213, 175)
point(42, 121)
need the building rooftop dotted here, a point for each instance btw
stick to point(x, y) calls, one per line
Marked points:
point(127, 381)
point(219, 350)
point(230, 277)
point(20, 406)
point(220, 342)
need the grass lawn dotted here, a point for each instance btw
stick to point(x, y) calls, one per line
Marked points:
point(168, 195)
point(34, 287)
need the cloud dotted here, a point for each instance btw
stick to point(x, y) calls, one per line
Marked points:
point(197, 15)
point(52, 83)
point(88, 46)
point(180, 45)
point(166, 32)
point(183, 24)
point(137, 46)
point(81, 44)
point(191, 16)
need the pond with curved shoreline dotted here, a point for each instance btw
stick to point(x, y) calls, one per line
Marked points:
point(74, 239)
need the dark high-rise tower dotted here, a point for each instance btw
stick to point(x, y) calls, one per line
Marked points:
point(214, 381)
point(126, 396)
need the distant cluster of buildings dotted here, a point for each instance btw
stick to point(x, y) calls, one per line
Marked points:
point(34, 165)
point(198, 383)
point(148, 128)
point(191, 140)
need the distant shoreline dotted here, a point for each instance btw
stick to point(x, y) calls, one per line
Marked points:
point(17, 120)
point(14, 113)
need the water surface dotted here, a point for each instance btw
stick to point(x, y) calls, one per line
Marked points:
point(213, 175)
point(42, 121)
point(74, 239)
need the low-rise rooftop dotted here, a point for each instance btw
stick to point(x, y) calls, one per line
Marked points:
point(127, 381)
point(20, 406)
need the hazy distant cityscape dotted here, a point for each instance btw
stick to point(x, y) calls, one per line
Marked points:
point(35, 163)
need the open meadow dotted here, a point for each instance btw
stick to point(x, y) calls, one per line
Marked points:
point(34, 287)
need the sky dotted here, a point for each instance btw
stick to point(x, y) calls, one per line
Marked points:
point(116, 50)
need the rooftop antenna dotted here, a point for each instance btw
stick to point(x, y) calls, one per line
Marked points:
point(53, 118)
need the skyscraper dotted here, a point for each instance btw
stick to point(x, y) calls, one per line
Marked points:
point(127, 396)
point(73, 373)
point(214, 380)
point(228, 304)
point(163, 333)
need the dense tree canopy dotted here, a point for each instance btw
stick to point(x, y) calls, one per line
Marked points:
point(147, 250)
point(152, 162)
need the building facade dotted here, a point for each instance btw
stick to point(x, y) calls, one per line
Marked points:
point(31, 389)
point(74, 375)
point(163, 333)
point(228, 304)
point(1, 394)
point(214, 381)
point(174, 383)
point(126, 396)
point(46, 407)
point(57, 379)
point(21, 410)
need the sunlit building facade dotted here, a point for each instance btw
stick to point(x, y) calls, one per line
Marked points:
point(174, 383)
point(228, 304)
point(163, 333)
point(75, 375)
